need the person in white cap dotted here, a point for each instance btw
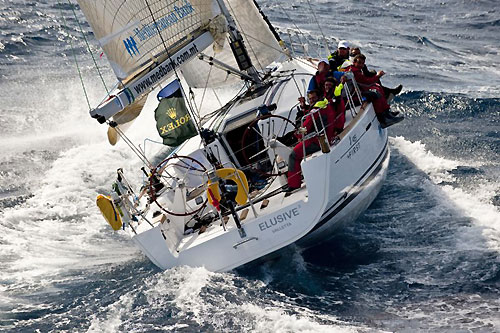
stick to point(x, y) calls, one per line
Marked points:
point(338, 57)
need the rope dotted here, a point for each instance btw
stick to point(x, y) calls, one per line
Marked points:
point(88, 46)
point(197, 124)
point(191, 95)
point(206, 85)
point(319, 26)
point(74, 56)
point(136, 150)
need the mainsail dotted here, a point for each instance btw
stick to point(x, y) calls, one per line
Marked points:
point(147, 41)
point(133, 33)
point(261, 44)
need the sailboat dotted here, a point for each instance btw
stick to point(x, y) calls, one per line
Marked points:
point(220, 199)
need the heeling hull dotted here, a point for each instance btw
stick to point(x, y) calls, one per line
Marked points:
point(224, 250)
point(359, 168)
point(368, 171)
point(351, 207)
point(354, 169)
point(342, 213)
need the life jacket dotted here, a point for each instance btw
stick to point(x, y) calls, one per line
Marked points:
point(335, 60)
point(345, 66)
point(327, 114)
point(337, 92)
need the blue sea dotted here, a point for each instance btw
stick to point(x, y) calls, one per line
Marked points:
point(425, 257)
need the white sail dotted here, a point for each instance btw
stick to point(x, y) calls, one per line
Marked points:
point(260, 42)
point(132, 32)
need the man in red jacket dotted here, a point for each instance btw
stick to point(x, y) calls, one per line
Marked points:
point(311, 145)
point(374, 91)
point(333, 95)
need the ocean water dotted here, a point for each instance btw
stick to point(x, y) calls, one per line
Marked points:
point(424, 257)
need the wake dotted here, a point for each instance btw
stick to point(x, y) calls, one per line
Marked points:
point(475, 203)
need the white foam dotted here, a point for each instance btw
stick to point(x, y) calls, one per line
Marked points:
point(188, 293)
point(60, 227)
point(472, 203)
point(115, 313)
point(210, 298)
point(276, 319)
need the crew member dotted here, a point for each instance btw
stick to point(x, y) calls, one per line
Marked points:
point(374, 91)
point(338, 57)
point(333, 91)
point(311, 145)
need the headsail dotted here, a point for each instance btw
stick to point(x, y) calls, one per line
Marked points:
point(261, 44)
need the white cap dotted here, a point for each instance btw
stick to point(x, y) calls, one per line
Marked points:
point(343, 43)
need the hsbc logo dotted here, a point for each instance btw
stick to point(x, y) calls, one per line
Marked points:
point(131, 46)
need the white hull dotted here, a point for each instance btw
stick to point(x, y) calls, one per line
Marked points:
point(339, 186)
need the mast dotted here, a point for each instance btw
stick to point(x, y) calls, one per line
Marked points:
point(237, 45)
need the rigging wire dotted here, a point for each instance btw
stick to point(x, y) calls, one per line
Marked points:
point(205, 89)
point(137, 151)
point(206, 85)
point(290, 20)
point(209, 115)
point(129, 143)
point(196, 122)
point(217, 97)
point(266, 44)
point(74, 56)
point(297, 85)
point(319, 26)
point(88, 46)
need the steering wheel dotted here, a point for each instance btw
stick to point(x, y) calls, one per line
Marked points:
point(161, 178)
point(252, 129)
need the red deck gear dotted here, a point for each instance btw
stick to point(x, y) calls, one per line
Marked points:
point(338, 120)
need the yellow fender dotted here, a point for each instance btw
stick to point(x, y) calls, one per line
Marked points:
point(109, 212)
point(236, 176)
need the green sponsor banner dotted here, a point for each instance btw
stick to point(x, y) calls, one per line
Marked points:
point(173, 121)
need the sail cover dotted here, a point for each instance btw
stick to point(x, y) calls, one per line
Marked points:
point(129, 30)
point(260, 42)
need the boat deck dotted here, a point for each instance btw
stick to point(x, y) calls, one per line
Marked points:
point(271, 203)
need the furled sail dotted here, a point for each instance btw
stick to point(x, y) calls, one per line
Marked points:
point(260, 42)
point(133, 33)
